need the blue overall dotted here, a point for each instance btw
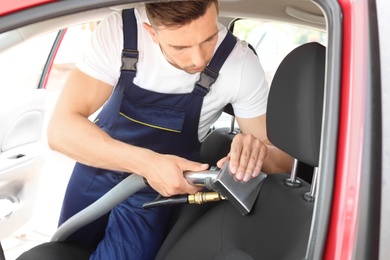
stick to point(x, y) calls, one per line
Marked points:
point(164, 123)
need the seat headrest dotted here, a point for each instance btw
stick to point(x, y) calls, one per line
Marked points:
point(295, 103)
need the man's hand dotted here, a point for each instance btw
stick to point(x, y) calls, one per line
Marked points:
point(165, 175)
point(246, 157)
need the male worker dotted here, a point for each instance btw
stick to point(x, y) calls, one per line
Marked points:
point(156, 70)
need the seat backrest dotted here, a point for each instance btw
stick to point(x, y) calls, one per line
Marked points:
point(216, 145)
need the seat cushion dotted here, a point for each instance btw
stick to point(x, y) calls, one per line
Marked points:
point(58, 251)
point(277, 228)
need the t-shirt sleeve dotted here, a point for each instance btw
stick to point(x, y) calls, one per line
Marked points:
point(253, 95)
point(102, 56)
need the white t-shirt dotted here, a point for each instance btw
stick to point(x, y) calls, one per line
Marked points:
point(241, 80)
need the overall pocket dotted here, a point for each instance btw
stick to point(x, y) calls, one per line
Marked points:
point(152, 115)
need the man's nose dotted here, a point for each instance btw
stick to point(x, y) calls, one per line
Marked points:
point(198, 57)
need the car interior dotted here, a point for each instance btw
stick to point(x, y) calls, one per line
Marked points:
point(284, 222)
point(292, 197)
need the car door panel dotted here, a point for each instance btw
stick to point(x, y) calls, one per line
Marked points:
point(21, 156)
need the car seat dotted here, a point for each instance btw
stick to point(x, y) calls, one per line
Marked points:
point(279, 224)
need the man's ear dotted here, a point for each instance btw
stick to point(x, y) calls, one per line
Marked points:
point(151, 31)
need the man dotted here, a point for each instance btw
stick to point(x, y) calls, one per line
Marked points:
point(163, 64)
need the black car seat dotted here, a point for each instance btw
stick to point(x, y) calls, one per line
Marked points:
point(279, 224)
point(217, 143)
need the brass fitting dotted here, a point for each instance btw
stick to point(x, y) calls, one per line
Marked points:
point(203, 197)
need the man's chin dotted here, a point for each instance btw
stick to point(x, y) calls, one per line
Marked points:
point(194, 70)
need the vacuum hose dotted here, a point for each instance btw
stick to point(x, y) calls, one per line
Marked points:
point(104, 204)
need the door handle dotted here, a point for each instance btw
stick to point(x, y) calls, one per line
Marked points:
point(13, 161)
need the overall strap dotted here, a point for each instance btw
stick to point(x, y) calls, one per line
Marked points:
point(210, 74)
point(129, 52)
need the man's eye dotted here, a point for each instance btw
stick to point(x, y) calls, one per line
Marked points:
point(178, 48)
point(210, 39)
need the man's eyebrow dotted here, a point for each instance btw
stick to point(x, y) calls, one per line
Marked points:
point(208, 39)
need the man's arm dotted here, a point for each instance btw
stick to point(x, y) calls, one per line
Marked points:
point(73, 134)
point(252, 152)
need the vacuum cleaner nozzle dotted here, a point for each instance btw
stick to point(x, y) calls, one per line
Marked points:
point(241, 194)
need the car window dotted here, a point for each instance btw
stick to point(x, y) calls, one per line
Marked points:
point(69, 53)
point(272, 42)
point(22, 66)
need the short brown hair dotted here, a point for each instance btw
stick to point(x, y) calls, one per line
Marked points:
point(177, 13)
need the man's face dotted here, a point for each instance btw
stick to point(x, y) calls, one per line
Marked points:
point(189, 47)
